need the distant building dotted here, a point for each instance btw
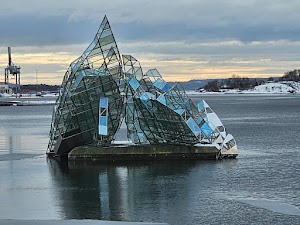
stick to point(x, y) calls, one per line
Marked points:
point(5, 89)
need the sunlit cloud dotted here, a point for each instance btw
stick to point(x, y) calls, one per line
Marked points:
point(49, 64)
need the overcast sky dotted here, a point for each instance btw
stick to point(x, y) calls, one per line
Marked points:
point(183, 39)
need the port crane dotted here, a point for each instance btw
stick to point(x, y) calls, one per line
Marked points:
point(14, 71)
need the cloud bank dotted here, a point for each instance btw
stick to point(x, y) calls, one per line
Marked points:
point(185, 39)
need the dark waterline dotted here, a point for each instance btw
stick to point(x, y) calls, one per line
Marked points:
point(260, 187)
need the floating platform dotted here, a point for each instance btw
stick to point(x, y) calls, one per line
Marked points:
point(143, 152)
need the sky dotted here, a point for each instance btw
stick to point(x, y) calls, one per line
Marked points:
point(183, 39)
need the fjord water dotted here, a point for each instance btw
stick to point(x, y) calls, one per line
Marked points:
point(260, 187)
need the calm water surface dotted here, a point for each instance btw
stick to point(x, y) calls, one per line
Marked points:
point(262, 186)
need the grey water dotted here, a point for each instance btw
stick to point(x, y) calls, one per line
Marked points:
point(262, 186)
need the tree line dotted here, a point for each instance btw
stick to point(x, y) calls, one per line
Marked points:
point(291, 76)
point(235, 82)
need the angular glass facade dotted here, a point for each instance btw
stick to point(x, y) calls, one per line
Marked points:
point(101, 88)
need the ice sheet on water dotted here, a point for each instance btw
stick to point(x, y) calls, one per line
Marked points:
point(72, 222)
point(16, 156)
point(272, 205)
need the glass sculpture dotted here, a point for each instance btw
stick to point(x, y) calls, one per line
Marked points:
point(101, 88)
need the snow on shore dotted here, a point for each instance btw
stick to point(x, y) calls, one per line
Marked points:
point(284, 87)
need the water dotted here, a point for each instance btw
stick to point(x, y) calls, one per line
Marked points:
point(260, 187)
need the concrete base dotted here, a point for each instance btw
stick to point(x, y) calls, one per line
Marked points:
point(143, 152)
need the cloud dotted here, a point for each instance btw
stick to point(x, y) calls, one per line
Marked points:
point(192, 20)
point(231, 47)
point(185, 39)
point(175, 60)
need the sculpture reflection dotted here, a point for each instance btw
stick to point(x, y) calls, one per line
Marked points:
point(134, 192)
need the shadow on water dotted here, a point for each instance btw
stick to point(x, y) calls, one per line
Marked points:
point(118, 191)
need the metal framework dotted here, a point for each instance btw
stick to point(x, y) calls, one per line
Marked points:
point(13, 70)
point(100, 89)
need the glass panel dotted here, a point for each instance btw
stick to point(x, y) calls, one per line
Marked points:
point(160, 84)
point(193, 126)
point(103, 125)
point(146, 96)
point(133, 137)
point(141, 136)
point(103, 120)
point(104, 102)
point(179, 111)
point(106, 40)
point(90, 48)
point(102, 130)
point(79, 78)
point(106, 33)
point(75, 67)
point(162, 99)
point(153, 73)
point(139, 74)
point(134, 83)
point(206, 129)
point(166, 88)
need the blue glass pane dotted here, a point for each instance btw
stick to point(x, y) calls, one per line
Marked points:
point(188, 104)
point(104, 102)
point(193, 126)
point(134, 83)
point(179, 111)
point(75, 67)
point(146, 96)
point(162, 99)
point(206, 129)
point(160, 84)
point(103, 120)
point(133, 137)
point(103, 125)
point(166, 88)
point(141, 136)
point(198, 120)
point(91, 47)
point(200, 106)
point(178, 105)
point(102, 130)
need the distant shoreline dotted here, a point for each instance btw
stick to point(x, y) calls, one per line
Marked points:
point(267, 88)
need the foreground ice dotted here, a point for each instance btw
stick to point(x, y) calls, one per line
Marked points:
point(274, 206)
point(72, 222)
point(16, 156)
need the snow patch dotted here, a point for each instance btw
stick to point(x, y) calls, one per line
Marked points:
point(284, 87)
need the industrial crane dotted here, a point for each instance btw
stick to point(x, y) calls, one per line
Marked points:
point(13, 70)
